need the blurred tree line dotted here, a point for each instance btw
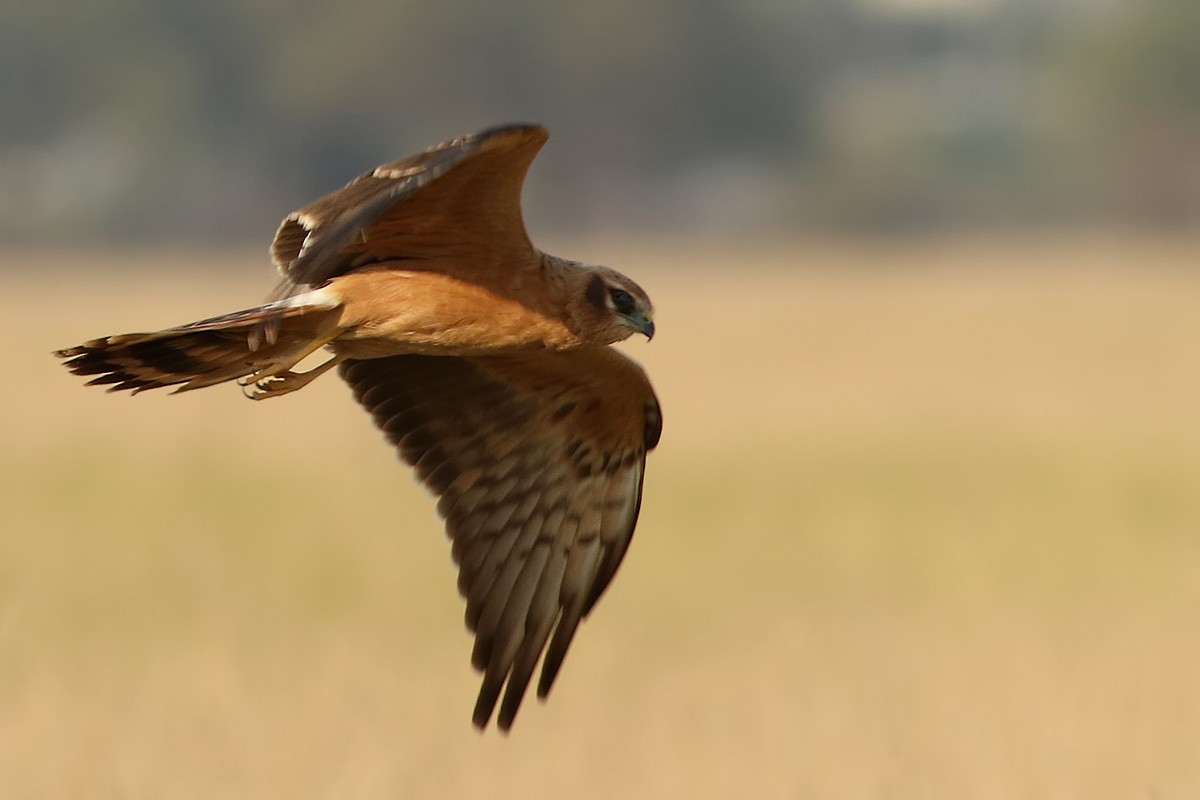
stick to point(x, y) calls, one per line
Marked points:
point(202, 121)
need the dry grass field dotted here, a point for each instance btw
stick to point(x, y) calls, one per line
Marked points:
point(924, 523)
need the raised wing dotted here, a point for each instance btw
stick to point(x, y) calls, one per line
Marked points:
point(460, 197)
point(538, 460)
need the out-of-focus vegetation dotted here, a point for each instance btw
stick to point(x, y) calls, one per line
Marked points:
point(179, 120)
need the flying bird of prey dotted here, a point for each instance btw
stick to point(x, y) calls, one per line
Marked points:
point(485, 361)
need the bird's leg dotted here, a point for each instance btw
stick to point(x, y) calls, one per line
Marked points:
point(274, 384)
point(277, 377)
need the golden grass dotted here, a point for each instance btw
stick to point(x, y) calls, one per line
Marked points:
point(923, 524)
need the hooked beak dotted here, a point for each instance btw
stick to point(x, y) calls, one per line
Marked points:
point(647, 328)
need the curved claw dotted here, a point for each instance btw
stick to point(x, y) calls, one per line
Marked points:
point(259, 386)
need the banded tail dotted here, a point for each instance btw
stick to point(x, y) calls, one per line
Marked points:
point(255, 345)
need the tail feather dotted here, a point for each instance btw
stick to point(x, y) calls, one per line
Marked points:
point(203, 353)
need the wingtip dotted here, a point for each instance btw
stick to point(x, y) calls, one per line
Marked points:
point(531, 132)
point(485, 704)
point(502, 725)
point(509, 707)
point(512, 127)
point(489, 698)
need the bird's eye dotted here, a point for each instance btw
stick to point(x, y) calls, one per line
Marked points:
point(622, 301)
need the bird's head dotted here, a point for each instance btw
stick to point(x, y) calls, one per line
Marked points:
point(611, 307)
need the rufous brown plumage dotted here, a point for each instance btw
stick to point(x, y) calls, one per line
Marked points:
point(485, 361)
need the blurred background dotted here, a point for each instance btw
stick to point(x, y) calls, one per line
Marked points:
point(168, 121)
point(924, 520)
